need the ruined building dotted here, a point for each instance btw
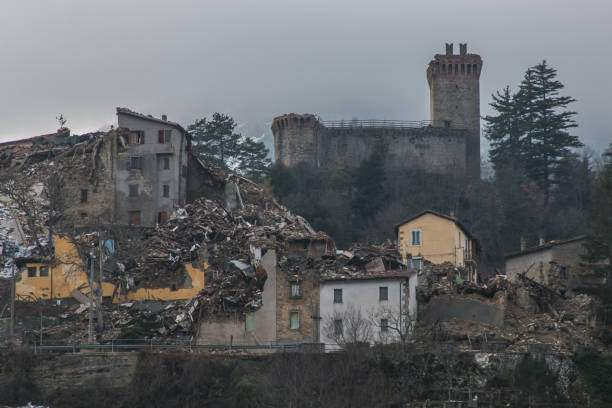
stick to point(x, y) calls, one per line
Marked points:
point(448, 143)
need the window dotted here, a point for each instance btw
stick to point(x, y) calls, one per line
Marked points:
point(337, 295)
point(44, 271)
point(133, 190)
point(134, 217)
point(163, 136)
point(467, 249)
point(459, 238)
point(415, 237)
point(136, 137)
point(469, 68)
point(162, 217)
point(384, 325)
point(166, 191)
point(295, 289)
point(383, 293)
point(563, 272)
point(294, 320)
point(31, 271)
point(135, 163)
point(338, 327)
point(83, 196)
point(417, 263)
point(463, 68)
point(83, 215)
point(166, 163)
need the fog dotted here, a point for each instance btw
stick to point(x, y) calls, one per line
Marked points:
point(259, 59)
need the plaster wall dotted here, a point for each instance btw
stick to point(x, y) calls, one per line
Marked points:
point(363, 296)
point(535, 264)
point(67, 274)
point(441, 240)
point(152, 177)
point(219, 329)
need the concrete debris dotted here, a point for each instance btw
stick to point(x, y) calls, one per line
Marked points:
point(531, 313)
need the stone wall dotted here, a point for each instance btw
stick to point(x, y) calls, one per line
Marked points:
point(307, 305)
point(301, 138)
point(98, 208)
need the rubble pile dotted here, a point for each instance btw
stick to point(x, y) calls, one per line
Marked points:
point(533, 313)
point(364, 260)
point(24, 201)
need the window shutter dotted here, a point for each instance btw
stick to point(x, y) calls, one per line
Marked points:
point(140, 162)
point(160, 136)
point(142, 137)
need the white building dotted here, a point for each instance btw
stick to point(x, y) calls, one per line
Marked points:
point(379, 308)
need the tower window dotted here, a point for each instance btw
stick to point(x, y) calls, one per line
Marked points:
point(166, 192)
point(469, 68)
point(463, 68)
point(83, 196)
point(443, 67)
point(475, 68)
point(456, 68)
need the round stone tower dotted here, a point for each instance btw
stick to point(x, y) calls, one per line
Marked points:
point(454, 98)
point(296, 139)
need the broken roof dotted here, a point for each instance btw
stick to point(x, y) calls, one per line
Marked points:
point(129, 112)
point(545, 246)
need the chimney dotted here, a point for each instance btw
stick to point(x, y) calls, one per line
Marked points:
point(452, 213)
point(523, 244)
point(164, 117)
point(541, 240)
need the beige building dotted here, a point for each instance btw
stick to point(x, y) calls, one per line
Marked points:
point(437, 238)
point(555, 263)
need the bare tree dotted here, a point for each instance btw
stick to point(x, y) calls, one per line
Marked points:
point(347, 327)
point(392, 324)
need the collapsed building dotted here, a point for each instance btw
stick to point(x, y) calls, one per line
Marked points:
point(503, 314)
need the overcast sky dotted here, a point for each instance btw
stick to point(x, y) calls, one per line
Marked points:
point(255, 60)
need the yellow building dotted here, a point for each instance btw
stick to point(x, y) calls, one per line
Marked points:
point(436, 238)
point(59, 278)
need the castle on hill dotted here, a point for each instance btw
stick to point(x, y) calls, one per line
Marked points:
point(447, 143)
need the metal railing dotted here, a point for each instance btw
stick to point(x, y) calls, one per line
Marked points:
point(148, 344)
point(376, 123)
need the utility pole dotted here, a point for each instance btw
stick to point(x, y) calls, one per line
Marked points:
point(100, 277)
point(91, 289)
point(12, 302)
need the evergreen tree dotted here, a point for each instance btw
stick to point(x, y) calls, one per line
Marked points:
point(545, 123)
point(252, 159)
point(599, 243)
point(215, 141)
point(370, 195)
point(504, 131)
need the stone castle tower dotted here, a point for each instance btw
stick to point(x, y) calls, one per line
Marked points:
point(449, 143)
point(454, 98)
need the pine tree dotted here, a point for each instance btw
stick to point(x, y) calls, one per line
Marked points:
point(370, 195)
point(216, 142)
point(252, 159)
point(545, 123)
point(503, 131)
point(599, 244)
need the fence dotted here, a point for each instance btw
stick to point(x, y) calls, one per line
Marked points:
point(375, 123)
point(148, 344)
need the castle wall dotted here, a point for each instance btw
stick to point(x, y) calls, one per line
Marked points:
point(436, 150)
